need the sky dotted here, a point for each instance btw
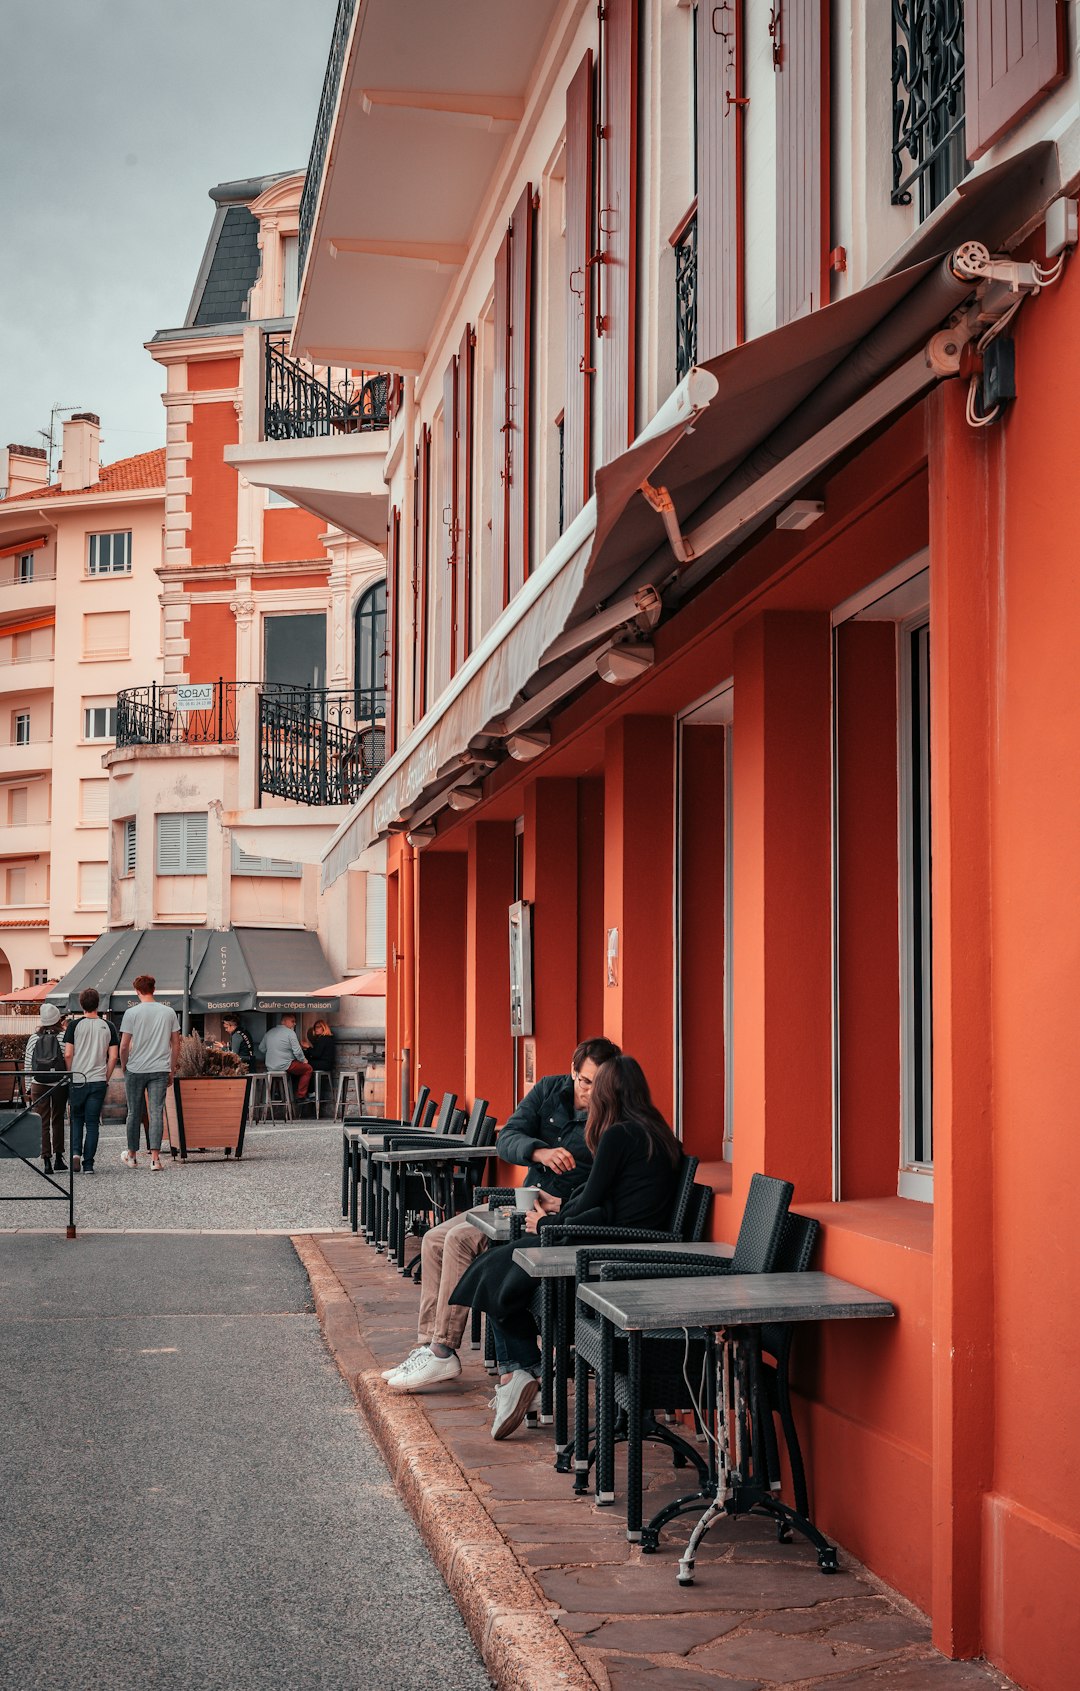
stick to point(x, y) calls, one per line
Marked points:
point(116, 119)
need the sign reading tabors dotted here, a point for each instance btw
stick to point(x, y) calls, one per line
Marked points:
point(197, 695)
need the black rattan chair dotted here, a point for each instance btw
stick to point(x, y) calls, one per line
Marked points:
point(354, 1153)
point(383, 1209)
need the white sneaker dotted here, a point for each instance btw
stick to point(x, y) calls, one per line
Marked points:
point(511, 1402)
point(417, 1350)
point(424, 1369)
point(126, 1157)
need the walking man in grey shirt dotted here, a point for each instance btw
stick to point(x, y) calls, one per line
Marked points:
point(149, 1049)
point(284, 1054)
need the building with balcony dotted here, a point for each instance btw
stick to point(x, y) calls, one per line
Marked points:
point(79, 621)
point(731, 597)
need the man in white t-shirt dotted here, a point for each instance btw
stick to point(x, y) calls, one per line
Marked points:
point(149, 1050)
point(91, 1048)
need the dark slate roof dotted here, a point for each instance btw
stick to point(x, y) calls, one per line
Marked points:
point(233, 269)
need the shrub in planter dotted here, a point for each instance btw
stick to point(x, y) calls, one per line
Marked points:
point(207, 1109)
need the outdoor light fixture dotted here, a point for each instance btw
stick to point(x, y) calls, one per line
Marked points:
point(801, 513)
point(526, 746)
point(624, 663)
point(421, 836)
point(463, 798)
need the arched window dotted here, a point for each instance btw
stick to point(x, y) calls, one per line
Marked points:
point(369, 645)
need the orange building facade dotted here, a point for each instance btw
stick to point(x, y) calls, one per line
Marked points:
point(767, 716)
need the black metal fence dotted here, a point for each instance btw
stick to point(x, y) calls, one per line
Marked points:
point(316, 745)
point(321, 137)
point(928, 100)
point(302, 403)
point(686, 300)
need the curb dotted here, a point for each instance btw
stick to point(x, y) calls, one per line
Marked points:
point(508, 1618)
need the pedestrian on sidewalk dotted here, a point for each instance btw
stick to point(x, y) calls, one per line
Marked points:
point(149, 1052)
point(46, 1072)
point(285, 1055)
point(92, 1050)
point(546, 1135)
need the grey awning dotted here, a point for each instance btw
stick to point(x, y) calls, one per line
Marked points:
point(288, 967)
point(222, 979)
point(231, 969)
point(101, 967)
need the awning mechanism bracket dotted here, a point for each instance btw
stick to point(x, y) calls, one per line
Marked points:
point(660, 500)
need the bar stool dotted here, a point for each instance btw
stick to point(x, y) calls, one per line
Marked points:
point(276, 1094)
point(321, 1080)
point(345, 1079)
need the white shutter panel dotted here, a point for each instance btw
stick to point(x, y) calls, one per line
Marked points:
point(375, 922)
point(93, 883)
point(129, 846)
point(194, 843)
point(243, 863)
point(106, 634)
point(170, 845)
point(17, 804)
point(94, 801)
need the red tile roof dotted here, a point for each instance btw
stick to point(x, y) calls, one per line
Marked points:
point(127, 475)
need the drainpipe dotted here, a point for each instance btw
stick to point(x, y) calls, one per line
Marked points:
point(408, 983)
point(185, 1019)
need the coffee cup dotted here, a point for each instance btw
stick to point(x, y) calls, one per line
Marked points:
point(525, 1197)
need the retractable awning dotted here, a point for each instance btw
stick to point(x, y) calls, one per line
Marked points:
point(288, 968)
point(738, 438)
point(231, 969)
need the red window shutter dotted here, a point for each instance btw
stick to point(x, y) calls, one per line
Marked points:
point(463, 484)
point(617, 225)
point(577, 423)
point(393, 633)
point(1014, 50)
point(720, 178)
point(802, 159)
point(424, 643)
point(500, 433)
point(417, 505)
point(519, 393)
point(447, 595)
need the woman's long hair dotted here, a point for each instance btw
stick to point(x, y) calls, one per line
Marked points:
point(621, 1093)
point(321, 1027)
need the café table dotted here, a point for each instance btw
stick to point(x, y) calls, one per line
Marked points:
point(445, 1151)
point(499, 1225)
point(734, 1307)
point(357, 1184)
point(555, 1267)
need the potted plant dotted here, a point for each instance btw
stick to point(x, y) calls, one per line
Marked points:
point(208, 1106)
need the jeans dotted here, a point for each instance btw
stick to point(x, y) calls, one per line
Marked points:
point(86, 1102)
point(514, 1349)
point(155, 1087)
point(50, 1101)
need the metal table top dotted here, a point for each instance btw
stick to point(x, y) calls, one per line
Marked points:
point(445, 1151)
point(373, 1139)
point(491, 1224)
point(731, 1300)
point(559, 1262)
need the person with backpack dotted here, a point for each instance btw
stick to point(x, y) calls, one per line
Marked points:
point(91, 1049)
point(46, 1069)
point(238, 1041)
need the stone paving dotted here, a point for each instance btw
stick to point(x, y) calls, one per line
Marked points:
point(760, 1614)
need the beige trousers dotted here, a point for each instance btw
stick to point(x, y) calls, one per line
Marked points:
point(445, 1253)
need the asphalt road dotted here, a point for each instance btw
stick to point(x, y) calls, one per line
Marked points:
point(189, 1498)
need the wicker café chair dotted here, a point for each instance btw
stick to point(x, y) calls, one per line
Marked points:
point(382, 1214)
point(597, 1348)
point(354, 1155)
point(427, 1191)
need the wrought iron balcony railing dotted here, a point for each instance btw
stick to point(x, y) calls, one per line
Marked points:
point(928, 100)
point(685, 244)
point(320, 140)
point(316, 745)
point(302, 403)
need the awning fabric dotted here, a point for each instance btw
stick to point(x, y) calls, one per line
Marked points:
point(771, 394)
point(370, 985)
point(20, 546)
point(28, 994)
point(231, 969)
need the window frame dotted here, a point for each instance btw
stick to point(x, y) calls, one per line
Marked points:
point(18, 718)
point(88, 712)
point(129, 847)
point(94, 568)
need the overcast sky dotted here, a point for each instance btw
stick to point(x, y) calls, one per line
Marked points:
point(116, 118)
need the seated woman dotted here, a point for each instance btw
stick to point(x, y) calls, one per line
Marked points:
point(636, 1162)
point(321, 1048)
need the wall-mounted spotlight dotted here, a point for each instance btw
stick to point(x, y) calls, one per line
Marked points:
point(421, 836)
point(624, 663)
point(801, 513)
point(525, 746)
point(463, 798)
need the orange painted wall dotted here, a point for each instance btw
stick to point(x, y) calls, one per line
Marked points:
point(274, 583)
point(213, 498)
point(290, 534)
point(211, 635)
point(590, 933)
point(701, 874)
point(550, 883)
point(208, 373)
point(441, 879)
point(490, 892)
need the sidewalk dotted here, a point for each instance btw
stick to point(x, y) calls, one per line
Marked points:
point(551, 1591)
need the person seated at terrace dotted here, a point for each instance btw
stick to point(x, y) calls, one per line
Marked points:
point(635, 1169)
point(283, 1054)
point(546, 1135)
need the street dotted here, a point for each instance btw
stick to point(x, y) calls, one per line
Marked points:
point(190, 1497)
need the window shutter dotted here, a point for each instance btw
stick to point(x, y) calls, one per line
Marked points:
point(802, 160)
point(244, 863)
point(393, 600)
point(617, 225)
point(130, 838)
point(1014, 51)
point(500, 431)
point(424, 609)
point(720, 179)
point(17, 804)
point(181, 844)
point(375, 922)
point(93, 883)
point(577, 430)
point(94, 801)
point(463, 493)
point(519, 394)
point(195, 843)
point(106, 634)
point(448, 577)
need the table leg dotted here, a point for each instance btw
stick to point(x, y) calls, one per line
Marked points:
point(345, 1149)
point(633, 1438)
point(605, 1417)
point(402, 1183)
point(547, 1341)
point(354, 1182)
point(563, 1291)
point(581, 1424)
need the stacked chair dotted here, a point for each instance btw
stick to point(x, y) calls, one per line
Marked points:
point(361, 1134)
point(430, 1190)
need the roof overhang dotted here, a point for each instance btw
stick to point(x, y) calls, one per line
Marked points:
point(429, 97)
point(338, 479)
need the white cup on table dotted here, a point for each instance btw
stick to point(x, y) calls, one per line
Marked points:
point(525, 1197)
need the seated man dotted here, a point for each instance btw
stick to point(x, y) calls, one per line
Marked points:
point(283, 1054)
point(546, 1135)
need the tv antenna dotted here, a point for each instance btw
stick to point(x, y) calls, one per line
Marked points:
point(49, 435)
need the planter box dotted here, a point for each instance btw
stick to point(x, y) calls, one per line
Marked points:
point(208, 1114)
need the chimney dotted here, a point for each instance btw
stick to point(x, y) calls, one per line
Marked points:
point(22, 469)
point(82, 451)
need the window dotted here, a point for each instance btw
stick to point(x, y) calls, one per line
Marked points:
point(99, 722)
point(93, 885)
point(110, 554)
point(37, 977)
point(24, 567)
point(128, 858)
point(916, 914)
point(106, 634)
point(290, 260)
point(294, 650)
point(273, 497)
point(17, 797)
point(244, 864)
point(928, 102)
point(94, 802)
point(181, 844)
point(369, 625)
point(16, 886)
point(20, 728)
point(21, 648)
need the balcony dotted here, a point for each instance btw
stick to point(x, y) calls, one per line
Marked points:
point(27, 839)
point(316, 435)
point(26, 675)
point(24, 595)
point(32, 757)
point(314, 746)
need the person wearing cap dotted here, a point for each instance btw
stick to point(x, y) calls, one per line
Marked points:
point(45, 1069)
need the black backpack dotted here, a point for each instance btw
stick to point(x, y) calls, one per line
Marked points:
point(246, 1052)
point(48, 1058)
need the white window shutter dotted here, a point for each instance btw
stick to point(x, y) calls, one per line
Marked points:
point(170, 845)
point(94, 801)
point(17, 802)
point(195, 843)
point(375, 923)
point(130, 837)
